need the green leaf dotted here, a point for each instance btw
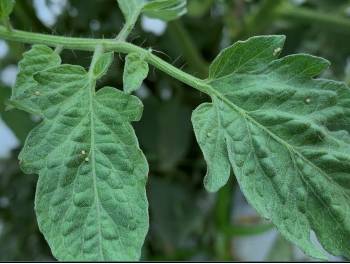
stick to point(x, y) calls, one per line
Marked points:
point(162, 9)
point(135, 71)
point(37, 59)
point(286, 137)
point(90, 201)
point(6, 8)
point(131, 9)
point(18, 121)
point(166, 10)
point(102, 64)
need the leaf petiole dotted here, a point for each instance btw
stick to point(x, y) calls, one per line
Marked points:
point(89, 44)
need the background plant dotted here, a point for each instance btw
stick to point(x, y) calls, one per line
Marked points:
point(172, 164)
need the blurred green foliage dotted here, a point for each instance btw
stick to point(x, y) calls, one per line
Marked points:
point(186, 222)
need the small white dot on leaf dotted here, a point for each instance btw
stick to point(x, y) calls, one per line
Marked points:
point(277, 51)
point(37, 93)
point(83, 152)
point(86, 159)
point(308, 100)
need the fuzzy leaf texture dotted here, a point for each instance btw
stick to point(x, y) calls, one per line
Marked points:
point(166, 10)
point(286, 137)
point(90, 200)
point(135, 71)
point(6, 8)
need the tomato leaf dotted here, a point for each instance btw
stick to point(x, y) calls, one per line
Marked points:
point(166, 10)
point(162, 9)
point(285, 135)
point(102, 64)
point(37, 59)
point(6, 8)
point(135, 71)
point(90, 201)
point(131, 9)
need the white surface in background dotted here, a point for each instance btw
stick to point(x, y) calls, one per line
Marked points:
point(95, 25)
point(8, 75)
point(257, 248)
point(298, 2)
point(252, 248)
point(48, 11)
point(8, 140)
point(4, 48)
point(153, 25)
point(143, 92)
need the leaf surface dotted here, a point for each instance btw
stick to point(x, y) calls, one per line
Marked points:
point(90, 201)
point(6, 8)
point(131, 9)
point(37, 59)
point(285, 134)
point(135, 71)
point(166, 10)
point(102, 65)
point(162, 9)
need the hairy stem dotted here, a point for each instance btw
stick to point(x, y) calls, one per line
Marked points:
point(199, 8)
point(129, 25)
point(97, 54)
point(261, 19)
point(89, 44)
point(7, 24)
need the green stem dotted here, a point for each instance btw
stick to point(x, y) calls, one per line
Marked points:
point(89, 44)
point(223, 209)
point(58, 49)
point(249, 230)
point(261, 19)
point(7, 24)
point(328, 21)
point(128, 26)
point(125, 32)
point(97, 54)
point(199, 8)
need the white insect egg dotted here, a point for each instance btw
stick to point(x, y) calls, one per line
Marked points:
point(308, 100)
point(86, 159)
point(83, 152)
point(37, 93)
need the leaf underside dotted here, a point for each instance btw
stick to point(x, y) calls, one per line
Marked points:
point(135, 71)
point(166, 10)
point(6, 8)
point(90, 200)
point(286, 137)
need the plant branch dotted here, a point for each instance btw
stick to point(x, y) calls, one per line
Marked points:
point(7, 24)
point(89, 44)
point(97, 54)
point(261, 19)
point(328, 21)
point(249, 230)
point(199, 8)
point(128, 26)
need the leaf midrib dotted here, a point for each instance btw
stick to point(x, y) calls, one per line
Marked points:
point(91, 88)
point(289, 147)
